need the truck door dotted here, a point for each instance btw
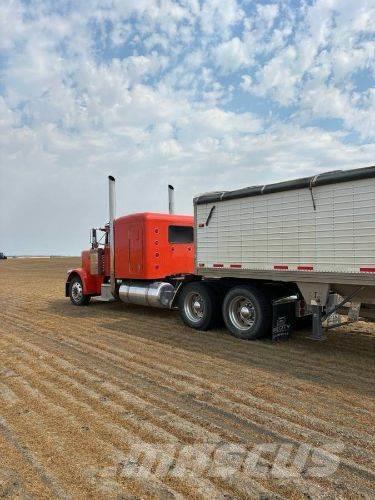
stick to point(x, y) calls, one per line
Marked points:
point(135, 248)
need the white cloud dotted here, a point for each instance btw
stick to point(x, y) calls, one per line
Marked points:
point(278, 77)
point(268, 13)
point(246, 83)
point(232, 55)
point(148, 91)
point(11, 25)
point(314, 71)
point(329, 102)
point(218, 17)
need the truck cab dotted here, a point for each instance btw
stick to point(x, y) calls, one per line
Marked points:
point(148, 247)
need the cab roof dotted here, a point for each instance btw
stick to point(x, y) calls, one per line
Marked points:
point(156, 216)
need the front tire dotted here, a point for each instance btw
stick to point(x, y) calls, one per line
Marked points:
point(77, 297)
point(199, 306)
point(247, 312)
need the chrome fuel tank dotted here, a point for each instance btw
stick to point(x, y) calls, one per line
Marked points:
point(156, 294)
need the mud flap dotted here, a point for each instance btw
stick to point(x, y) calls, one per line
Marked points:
point(283, 318)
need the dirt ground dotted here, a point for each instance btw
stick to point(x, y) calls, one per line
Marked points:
point(119, 401)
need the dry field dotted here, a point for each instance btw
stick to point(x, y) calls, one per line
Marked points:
point(113, 401)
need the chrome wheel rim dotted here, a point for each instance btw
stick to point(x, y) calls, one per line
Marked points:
point(242, 313)
point(194, 307)
point(77, 291)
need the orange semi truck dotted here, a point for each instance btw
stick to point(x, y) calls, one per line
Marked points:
point(256, 258)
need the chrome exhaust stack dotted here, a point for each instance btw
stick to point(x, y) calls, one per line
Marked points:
point(171, 198)
point(112, 214)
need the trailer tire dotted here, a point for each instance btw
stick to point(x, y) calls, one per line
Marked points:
point(77, 297)
point(247, 312)
point(199, 306)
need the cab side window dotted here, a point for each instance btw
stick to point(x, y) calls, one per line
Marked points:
point(180, 234)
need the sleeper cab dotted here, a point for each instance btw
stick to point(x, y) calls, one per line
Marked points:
point(152, 246)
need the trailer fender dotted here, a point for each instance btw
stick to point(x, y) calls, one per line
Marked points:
point(91, 284)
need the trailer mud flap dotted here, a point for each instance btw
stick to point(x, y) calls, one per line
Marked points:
point(283, 318)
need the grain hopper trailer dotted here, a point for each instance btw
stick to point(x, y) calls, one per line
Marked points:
point(243, 254)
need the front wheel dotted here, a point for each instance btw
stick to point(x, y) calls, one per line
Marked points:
point(247, 312)
point(199, 306)
point(77, 297)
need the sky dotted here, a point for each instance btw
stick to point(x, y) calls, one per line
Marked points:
point(202, 94)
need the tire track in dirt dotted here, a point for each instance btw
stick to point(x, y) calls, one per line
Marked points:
point(247, 481)
point(149, 358)
point(175, 384)
point(144, 429)
point(46, 478)
point(240, 487)
point(222, 402)
point(60, 422)
point(221, 399)
point(282, 386)
point(280, 354)
point(288, 495)
point(249, 357)
point(273, 352)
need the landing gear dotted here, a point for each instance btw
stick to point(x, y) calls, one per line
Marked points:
point(77, 297)
point(317, 328)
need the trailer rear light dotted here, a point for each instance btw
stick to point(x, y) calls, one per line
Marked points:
point(281, 267)
point(235, 266)
point(367, 269)
point(218, 265)
point(305, 268)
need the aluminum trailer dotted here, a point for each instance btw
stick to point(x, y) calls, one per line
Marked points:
point(317, 233)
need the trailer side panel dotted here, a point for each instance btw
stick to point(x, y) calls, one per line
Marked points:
point(328, 229)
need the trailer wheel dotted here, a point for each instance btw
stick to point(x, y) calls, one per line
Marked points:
point(247, 312)
point(199, 306)
point(77, 297)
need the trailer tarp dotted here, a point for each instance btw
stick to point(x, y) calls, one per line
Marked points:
point(323, 179)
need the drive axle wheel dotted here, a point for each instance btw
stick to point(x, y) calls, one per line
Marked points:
point(77, 297)
point(199, 306)
point(247, 312)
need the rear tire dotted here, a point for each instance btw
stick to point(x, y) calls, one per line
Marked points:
point(77, 297)
point(247, 312)
point(199, 306)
